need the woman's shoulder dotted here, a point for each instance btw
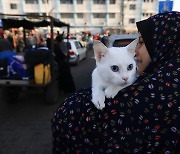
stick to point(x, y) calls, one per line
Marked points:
point(78, 96)
point(81, 94)
point(78, 100)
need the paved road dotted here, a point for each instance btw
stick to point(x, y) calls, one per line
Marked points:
point(82, 73)
point(25, 127)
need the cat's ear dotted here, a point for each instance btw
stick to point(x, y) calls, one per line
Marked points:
point(131, 47)
point(100, 50)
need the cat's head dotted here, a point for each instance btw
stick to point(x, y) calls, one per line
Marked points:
point(116, 65)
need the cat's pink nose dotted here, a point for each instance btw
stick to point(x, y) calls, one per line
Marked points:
point(125, 78)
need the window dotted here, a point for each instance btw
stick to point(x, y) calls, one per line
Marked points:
point(111, 15)
point(31, 1)
point(78, 45)
point(13, 6)
point(112, 1)
point(44, 14)
point(79, 15)
point(45, 1)
point(99, 1)
point(132, 7)
point(99, 15)
point(32, 14)
point(66, 1)
point(66, 15)
point(79, 1)
point(122, 42)
point(131, 20)
point(146, 14)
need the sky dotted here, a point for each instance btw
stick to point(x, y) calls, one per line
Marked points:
point(176, 5)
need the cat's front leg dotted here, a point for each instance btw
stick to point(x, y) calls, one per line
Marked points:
point(111, 91)
point(98, 98)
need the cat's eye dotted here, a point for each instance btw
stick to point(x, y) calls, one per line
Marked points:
point(130, 67)
point(114, 68)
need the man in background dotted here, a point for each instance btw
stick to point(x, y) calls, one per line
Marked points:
point(5, 45)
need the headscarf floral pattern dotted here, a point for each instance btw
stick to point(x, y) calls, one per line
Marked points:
point(142, 118)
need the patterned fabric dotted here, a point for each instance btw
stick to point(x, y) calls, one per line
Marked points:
point(142, 118)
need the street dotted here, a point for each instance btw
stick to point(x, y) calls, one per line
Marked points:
point(25, 126)
point(82, 73)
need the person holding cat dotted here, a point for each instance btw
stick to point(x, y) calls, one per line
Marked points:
point(143, 117)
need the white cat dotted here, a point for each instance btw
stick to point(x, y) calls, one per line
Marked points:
point(115, 70)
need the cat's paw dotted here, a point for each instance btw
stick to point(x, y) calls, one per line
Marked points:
point(99, 102)
point(111, 92)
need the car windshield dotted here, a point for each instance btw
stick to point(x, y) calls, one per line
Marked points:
point(122, 42)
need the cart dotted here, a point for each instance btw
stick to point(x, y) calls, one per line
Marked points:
point(11, 88)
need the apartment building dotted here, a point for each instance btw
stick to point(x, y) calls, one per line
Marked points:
point(87, 15)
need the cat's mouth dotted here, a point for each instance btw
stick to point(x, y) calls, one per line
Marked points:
point(124, 83)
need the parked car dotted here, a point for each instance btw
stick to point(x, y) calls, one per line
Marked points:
point(77, 51)
point(121, 40)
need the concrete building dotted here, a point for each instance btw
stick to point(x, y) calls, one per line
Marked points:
point(87, 15)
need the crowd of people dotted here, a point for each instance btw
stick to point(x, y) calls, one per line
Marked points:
point(34, 39)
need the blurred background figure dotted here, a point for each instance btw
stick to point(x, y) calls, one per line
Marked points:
point(8, 35)
point(30, 40)
point(66, 82)
point(5, 45)
point(90, 42)
point(104, 39)
point(20, 45)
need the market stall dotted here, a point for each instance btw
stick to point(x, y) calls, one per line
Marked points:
point(12, 85)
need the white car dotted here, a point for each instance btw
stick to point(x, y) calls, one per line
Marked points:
point(76, 51)
point(121, 39)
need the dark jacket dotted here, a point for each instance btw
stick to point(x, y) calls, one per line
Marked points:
point(5, 45)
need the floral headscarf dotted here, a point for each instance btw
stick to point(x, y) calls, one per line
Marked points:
point(142, 118)
point(161, 35)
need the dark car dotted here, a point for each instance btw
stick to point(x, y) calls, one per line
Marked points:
point(121, 40)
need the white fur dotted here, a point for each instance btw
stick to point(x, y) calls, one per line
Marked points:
point(105, 82)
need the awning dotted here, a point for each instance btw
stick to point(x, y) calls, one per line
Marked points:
point(27, 24)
